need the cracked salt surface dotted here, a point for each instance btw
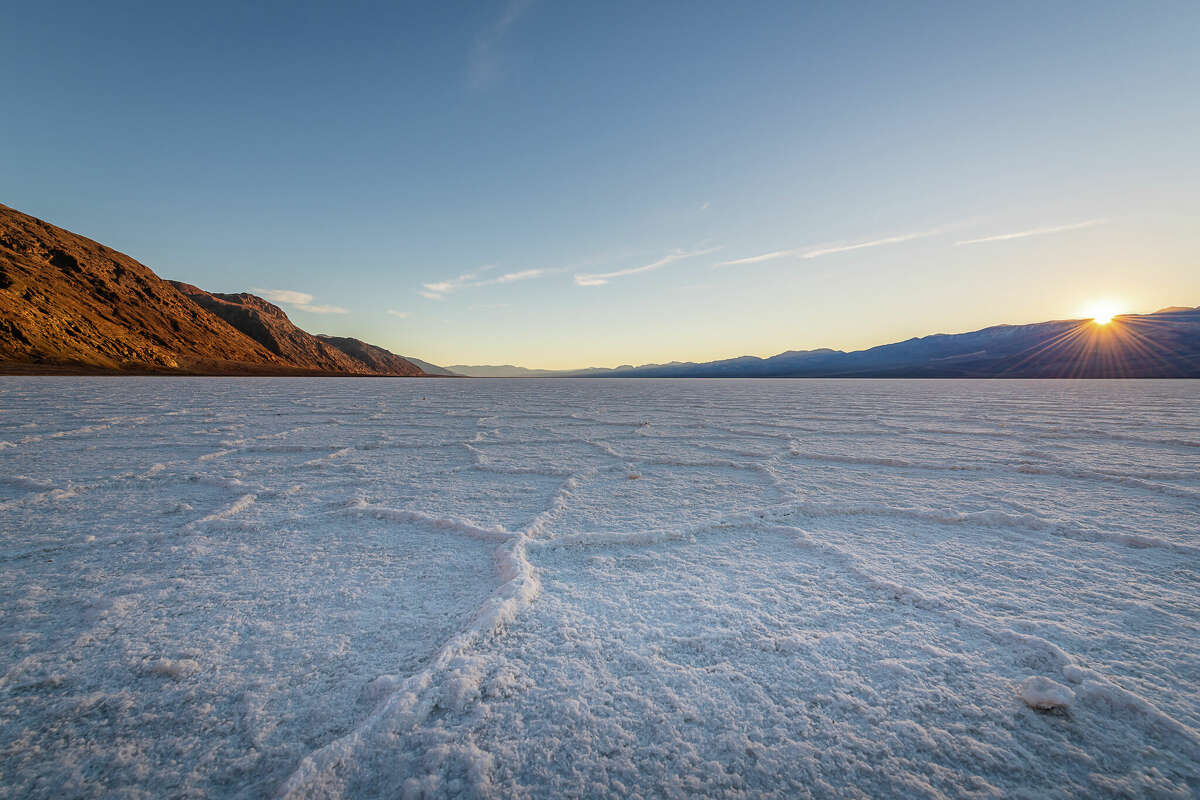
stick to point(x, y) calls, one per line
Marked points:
point(374, 588)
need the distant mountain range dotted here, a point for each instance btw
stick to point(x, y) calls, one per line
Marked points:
point(1165, 344)
point(70, 305)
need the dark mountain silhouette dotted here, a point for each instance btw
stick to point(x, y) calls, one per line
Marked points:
point(1165, 344)
point(69, 304)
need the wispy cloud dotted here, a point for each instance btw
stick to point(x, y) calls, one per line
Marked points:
point(601, 278)
point(845, 248)
point(483, 64)
point(300, 300)
point(829, 249)
point(322, 309)
point(391, 312)
point(1035, 232)
point(523, 275)
point(285, 296)
point(437, 289)
point(469, 280)
point(756, 259)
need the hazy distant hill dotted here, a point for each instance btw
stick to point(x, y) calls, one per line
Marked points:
point(510, 371)
point(503, 371)
point(68, 303)
point(432, 369)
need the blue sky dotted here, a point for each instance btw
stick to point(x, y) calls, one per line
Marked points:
point(573, 184)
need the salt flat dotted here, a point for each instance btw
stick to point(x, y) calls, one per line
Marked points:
point(322, 588)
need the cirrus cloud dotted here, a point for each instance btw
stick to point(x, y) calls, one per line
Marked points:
point(300, 300)
point(1003, 237)
point(438, 290)
point(830, 249)
point(601, 278)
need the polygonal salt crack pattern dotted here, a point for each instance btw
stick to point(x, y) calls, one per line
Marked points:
point(548, 588)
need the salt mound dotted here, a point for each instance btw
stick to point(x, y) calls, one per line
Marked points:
point(1044, 694)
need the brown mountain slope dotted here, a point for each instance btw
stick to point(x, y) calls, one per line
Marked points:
point(376, 357)
point(65, 299)
point(68, 303)
point(268, 325)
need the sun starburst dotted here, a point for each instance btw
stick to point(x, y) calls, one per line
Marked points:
point(1101, 312)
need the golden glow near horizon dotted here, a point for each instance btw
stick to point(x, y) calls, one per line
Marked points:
point(1102, 311)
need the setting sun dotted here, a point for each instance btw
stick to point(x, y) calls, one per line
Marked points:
point(1102, 312)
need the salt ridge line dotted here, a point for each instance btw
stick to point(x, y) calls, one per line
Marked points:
point(394, 445)
point(37, 498)
point(1107, 477)
point(233, 509)
point(1019, 431)
point(412, 708)
point(988, 518)
point(285, 448)
point(26, 482)
point(1165, 475)
point(409, 701)
point(1096, 686)
point(1128, 539)
point(482, 462)
point(765, 466)
point(985, 518)
point(236, 485)
point(642, 537)
point(322, 460)
point(224, 513)
point(99, 427)
point(538, 527)
point(1123, 437)
point(496, 534)
point(885, 461)
point(1132, 481)
point(740, 451)
point(74, 490)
